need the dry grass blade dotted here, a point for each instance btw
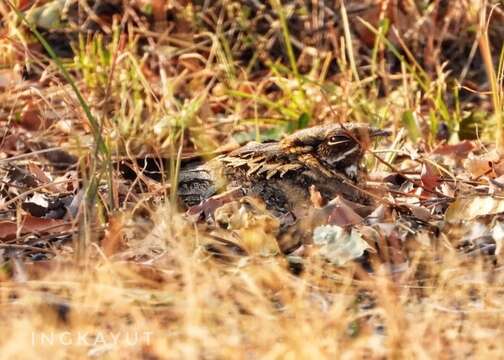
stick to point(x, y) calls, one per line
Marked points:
point(232, 209)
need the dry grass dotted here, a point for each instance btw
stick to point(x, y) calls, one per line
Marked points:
point(180, 303)
point(142, 284)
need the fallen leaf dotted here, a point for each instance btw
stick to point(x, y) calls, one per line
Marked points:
point(39, 174)
point(30, 224)
point(460, 149)
point(31, 118)
point(478, 167)
point(487, 164)
point(340, 213)
point(337, 246)
point(207, 208)
point(470, 208)
point(378, 215)
point(255, 226)
point(419, 212)
point(429, 177)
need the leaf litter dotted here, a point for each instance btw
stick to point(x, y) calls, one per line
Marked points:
point(420, 273)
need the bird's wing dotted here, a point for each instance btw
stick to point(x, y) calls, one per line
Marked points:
point(255, 149)
point(262, 159)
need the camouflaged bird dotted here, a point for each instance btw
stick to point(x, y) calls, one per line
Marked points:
point(281, 173)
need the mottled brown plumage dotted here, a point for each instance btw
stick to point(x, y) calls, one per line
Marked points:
point(281, 173)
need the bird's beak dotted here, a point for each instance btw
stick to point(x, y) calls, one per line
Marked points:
point(378, 132)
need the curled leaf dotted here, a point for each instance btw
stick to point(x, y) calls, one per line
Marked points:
point(337, 246)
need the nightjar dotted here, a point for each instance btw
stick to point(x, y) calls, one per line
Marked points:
point(281, 173)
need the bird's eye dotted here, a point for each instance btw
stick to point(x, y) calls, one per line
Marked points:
point(335, 140)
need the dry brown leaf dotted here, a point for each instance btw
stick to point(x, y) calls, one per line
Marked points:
point(341, 213)
point(255, 226)
point(460, 150)
point(419, 212)
point(39, 174)
point(478, 167)
point(30, 224)
point(429, 177)
point(471, 207)
point(208, 207)
point(489, 164)
point(31, 118)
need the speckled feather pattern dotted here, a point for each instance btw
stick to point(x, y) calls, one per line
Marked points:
point(321, 156)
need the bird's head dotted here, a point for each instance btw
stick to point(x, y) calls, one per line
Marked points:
point(337, 147)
